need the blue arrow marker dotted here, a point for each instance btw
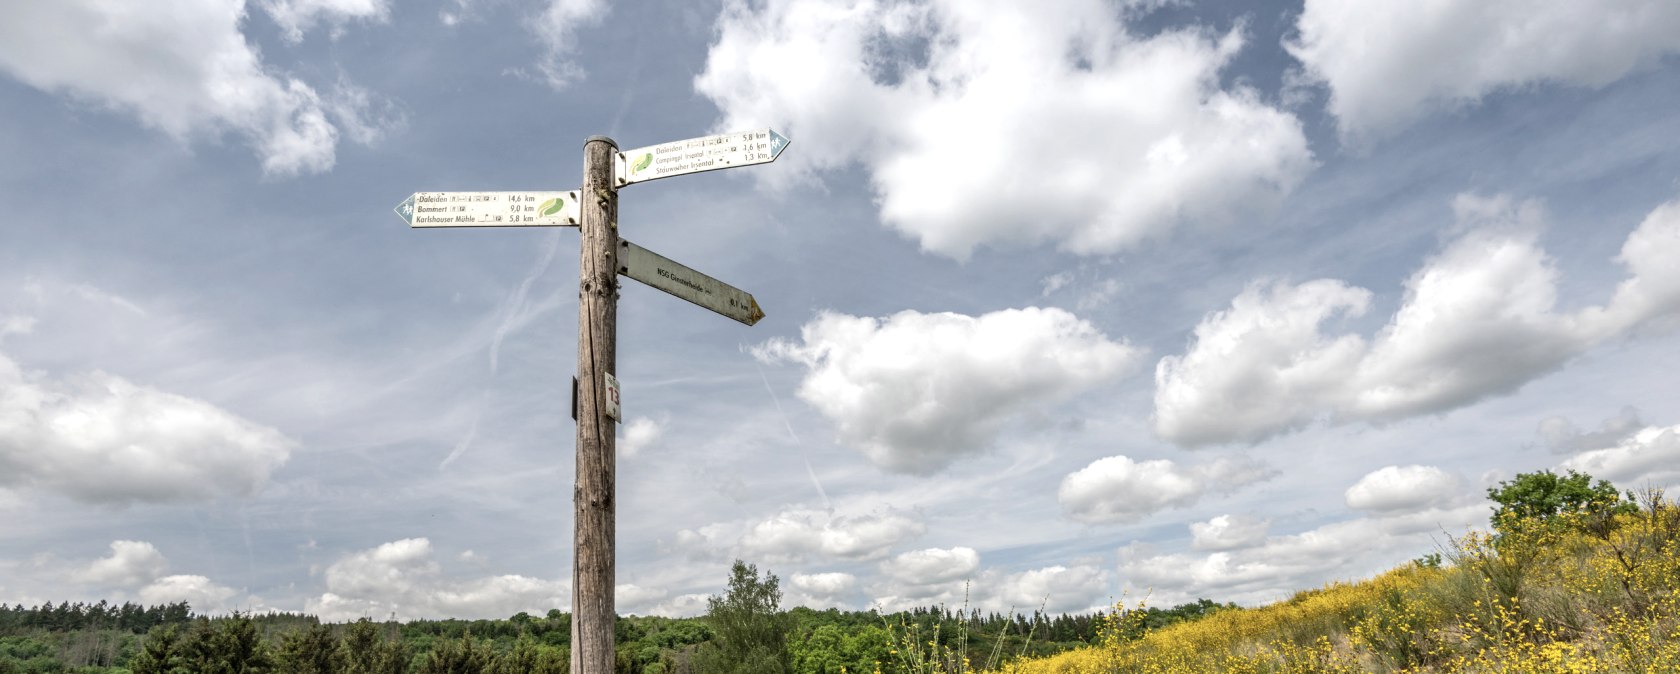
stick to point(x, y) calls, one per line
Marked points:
point(777, 142)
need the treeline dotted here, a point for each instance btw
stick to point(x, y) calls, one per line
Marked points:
point(168, 639)
point(75, 636)
point(68, 617)
point(744, 631)
point(237, 645)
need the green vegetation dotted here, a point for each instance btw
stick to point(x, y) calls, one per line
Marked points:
point(72, 637)
point(749, 629)
point(1573, 578)
point(745, 629)
point(1546, 496)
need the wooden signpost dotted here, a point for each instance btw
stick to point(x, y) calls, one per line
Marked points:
point(603, 256)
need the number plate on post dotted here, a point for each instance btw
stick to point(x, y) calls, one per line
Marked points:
point(612, 398)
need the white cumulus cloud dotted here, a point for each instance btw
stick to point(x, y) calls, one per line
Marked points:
point(681, 606)
point(820, 590)
point(100, 438)
point(1081, 588)
point(915, 392)
point(953, 577)
point(1479, 319)
point(1394, 489)
point(1118, 489)
point(402, 577)
point(199, 592)
point(638, 435)
point(932, 565)
point(630, 598)
point(131, 564)
point(1278, 566)
point(798, 534)
point(1388, 62)
point(138, 567)
point(927, 96)
point(182, 67)
point(1649, 456)
point(1228, 532)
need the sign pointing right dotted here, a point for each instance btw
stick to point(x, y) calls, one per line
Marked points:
point(707, 153)
point(660, 272)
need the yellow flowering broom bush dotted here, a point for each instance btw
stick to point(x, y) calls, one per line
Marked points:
point(1587, 592)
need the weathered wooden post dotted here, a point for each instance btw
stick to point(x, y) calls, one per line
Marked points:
point(602, 258)
point(593, 492)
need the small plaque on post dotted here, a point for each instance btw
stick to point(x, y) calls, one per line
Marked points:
point(612, 398)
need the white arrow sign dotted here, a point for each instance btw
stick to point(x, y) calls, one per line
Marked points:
point(490, 209)
point(660, 272)
point(694, 155)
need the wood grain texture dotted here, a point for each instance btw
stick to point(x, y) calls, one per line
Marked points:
point(593, 498)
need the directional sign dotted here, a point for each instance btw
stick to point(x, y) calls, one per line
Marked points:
point(660, 272)
point(698, 154)
point(490, 209)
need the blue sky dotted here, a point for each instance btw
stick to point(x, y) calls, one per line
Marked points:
point(1064, 304)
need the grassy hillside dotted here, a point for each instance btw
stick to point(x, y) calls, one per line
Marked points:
point(1578, 592)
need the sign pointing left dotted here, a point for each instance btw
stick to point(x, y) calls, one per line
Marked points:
point(490, 209)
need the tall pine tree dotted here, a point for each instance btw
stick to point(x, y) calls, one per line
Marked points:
point(310, 651)
point(160, 654)
point(365, 651)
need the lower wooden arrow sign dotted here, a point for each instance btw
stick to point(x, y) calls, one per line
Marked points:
point(660, 272)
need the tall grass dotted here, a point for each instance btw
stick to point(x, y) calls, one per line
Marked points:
point(1582, 593)
point(918, 649)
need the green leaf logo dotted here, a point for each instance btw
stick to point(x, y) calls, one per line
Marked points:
point(647, 158)
point(552, 206)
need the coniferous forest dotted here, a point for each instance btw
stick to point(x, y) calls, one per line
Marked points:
point(171, 639)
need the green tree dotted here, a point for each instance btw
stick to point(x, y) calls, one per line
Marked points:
point(530, 657)
point(867, 647)
point(226, 646)
point(750, 632)
point(364, 651)
point(160, 654)
point(310, 651)
point(1544, 495)
point(822, 651)
point(458, 656)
